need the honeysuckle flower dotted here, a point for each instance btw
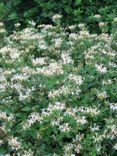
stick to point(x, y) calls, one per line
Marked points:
point(56, 17)
point(65, 127)
point(101, 68)
point(58, 42)
point(113, 106)
point(102, 95)
point(66, 59)
point(77, 79)
point(101, 24)
point(39, 61)
point(28, 153)
point(72, 27)
point(14, 143)
point(17, 25)
point(97, 16)
point(1, 24)
point(81, 25)
point(32, 23)
point(115, 146)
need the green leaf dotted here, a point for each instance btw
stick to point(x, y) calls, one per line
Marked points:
point(78, 1)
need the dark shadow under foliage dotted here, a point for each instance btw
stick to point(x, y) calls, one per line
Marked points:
point(41, 11)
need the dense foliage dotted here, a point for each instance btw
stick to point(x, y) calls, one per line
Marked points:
point(73, 11)
point(58, 91)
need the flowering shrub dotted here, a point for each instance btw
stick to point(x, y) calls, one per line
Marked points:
point(58, 91)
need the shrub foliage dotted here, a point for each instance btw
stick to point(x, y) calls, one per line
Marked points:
point(58, 91)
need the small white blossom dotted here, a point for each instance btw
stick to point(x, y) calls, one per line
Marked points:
point(115, 146)
point(102, 95)
point(14, 143)
point(101, 68)
point(56, 17)
point(113, 106)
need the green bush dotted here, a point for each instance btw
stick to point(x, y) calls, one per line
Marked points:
point(73, 11)
point(58, 91)
point(2, 11)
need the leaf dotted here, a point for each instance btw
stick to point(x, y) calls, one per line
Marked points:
point(78, 1)
point(2, 151)
point(13, 16)
point(27, 108)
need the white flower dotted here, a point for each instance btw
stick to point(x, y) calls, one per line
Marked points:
point(89, 110)
point(58, 42)
point(115, 146)
point(113, 106)
point(95, 127)
point(115, 19)
point(1, 24)
point(101, 68)
point(81, 25)
point(56, 17)
point(82, 120)
point(1, 142)
point(53, 68)
point(73, 36)
point(28, 153)
point(43, 46)
point(65, 127)
point(32, 119)
point(102, 95)
point(39, 61)
point(56, 106)
point(14, 143)
point(32, 23)
point(107, 82)
point(112, 64)
point(78, 148)
point(84, 33)
point(20, 77)
point(25, 95)
point(17, 25)
point(66, 58)
point(14, 55)
point(2, 31)
point(72, 27)
point(68, 149)
point(97, 16)
point(4, 116)
point(77, 79)
point(102, 24)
